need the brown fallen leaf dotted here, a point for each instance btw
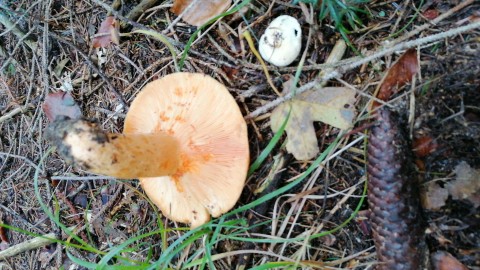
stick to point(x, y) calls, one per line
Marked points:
point(330, 105)
point(424, 146)
point(431, 13)
point(3, 234)
point(466, 186)
point(201, 11)
point(4, 242)
point(443, 260)
point(398, 75)
point(60, 104)
point(109, 32)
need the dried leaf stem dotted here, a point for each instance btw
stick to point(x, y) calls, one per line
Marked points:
point(248, 37)
point(12, 113)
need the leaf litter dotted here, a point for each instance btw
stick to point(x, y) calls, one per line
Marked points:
point(398, 75)
point(109, 32)
point(331, 105)
point(109, 105)
point(61, 104)
point(464, 187)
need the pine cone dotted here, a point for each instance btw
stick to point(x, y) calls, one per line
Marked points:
point(393, 195)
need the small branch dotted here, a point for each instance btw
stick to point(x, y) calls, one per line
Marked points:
point(15, 111)
point(120, 16)
point(49, 238)
point(10, 26)
point(33, 243)
point(27, 160)
point(139, 10)
point(352, 63)
point(433, 22)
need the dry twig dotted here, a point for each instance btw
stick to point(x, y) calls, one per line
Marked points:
point(348, 64)
point(33, 243)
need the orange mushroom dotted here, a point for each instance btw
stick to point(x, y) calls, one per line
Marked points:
point(184, 138)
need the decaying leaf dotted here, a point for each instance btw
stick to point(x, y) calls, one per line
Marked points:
point(3, 234)
point(466, 186)
point(109, 32)
point(431, 13)
point(60, 104)
point(424, 146)
point(330, 105)
point(442, 260)
point(435, 197)
point(398, 75)
point(58, 70)
point(201, 11)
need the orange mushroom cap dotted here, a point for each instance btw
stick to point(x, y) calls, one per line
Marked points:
point(201, 114)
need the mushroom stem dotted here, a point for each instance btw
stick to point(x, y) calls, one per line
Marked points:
point(119, 155)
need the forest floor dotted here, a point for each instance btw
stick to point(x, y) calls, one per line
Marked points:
point(41, 194)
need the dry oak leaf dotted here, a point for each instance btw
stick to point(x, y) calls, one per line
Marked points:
point(331, 105)
point(467, 185)
point(201, 11)
point(443, 260)
point(109, 32)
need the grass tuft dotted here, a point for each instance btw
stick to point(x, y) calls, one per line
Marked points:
point(340, 12)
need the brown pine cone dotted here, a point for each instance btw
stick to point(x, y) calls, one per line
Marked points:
point(393, 196)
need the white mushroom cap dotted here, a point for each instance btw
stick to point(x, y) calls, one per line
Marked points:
point(281, 43)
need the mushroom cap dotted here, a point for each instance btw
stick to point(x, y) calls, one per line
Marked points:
point(281, 43)
point(202, 115)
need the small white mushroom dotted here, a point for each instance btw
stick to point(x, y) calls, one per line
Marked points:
point(281, 43)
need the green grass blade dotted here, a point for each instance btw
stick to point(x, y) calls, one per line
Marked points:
point(287, 187)
point(50, 214)
point(265, 152)
point(178, 245)
point(81, 262)
point(120, 248)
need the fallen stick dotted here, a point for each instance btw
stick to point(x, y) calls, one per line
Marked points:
point(348, 64)
point(33, 243)
point(10, 26)
point(15, 111)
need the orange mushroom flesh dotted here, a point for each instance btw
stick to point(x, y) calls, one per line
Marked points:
point(184, 138)
point(84, 144)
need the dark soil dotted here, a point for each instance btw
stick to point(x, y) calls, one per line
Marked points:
point(449, 113)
